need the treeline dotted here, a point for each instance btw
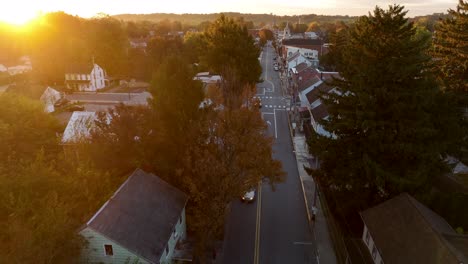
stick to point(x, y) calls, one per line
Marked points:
point(213, 153)
point(257, 19)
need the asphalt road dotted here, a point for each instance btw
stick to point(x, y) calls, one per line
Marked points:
point(274, 228)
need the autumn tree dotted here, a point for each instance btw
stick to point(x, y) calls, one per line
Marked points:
point(386, 137)
point(230, 155)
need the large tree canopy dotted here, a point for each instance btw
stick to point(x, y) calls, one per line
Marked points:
point(383, 118)
point(230, 48)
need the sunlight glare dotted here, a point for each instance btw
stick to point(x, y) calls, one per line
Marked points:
point(18, 14)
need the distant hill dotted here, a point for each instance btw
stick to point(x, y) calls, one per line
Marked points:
point(257, 19)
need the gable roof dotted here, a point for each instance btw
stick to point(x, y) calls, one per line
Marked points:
point(50, 95)
point(406, 231)
point(294, 56)
point(141, 215)
point(313, 95)
point(79, 126)
point(301, 66)
point(319, 112)
point(306, 78)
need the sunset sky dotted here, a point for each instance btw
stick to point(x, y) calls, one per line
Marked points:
point(19, 11)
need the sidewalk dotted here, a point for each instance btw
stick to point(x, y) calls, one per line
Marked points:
point(319, 227)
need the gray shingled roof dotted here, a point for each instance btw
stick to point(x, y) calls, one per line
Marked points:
point(313, 95)
point(141, 215)
point(406, 231)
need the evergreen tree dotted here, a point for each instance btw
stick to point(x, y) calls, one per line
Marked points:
point(230, 48)
point(451, 53)
point(385, 138)
point(451, 49)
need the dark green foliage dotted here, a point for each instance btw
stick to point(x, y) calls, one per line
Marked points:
point(25, 129)
point(387, 138)
point(45, 195)
point(176, 107)
point(230, 50)
point(299, 28)
point(159, 48)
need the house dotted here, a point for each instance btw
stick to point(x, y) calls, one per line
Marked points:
point(79, 127)
point(308, 53)
point(88, 78)
point(49, 98)
point(142, 222)
point(403, 230)
point(305, 43)
point(296, 59)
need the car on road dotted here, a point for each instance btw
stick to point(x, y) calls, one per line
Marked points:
point(276, 68)
point(248, 196)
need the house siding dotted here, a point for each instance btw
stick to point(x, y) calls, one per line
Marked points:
point(94, 251)
point(370, 246)
point(180, 230)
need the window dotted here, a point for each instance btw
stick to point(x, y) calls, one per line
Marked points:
point(109, 250)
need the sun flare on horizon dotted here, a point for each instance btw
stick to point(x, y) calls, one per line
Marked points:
point(18, 14)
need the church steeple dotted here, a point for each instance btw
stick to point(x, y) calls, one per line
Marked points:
point(287, 31)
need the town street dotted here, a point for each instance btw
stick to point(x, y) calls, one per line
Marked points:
point(274, 228)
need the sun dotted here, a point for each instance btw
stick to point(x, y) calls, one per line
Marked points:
point(18, 16)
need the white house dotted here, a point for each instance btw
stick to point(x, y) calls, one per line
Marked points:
point(87, 78)
point(142, 222)
point(296, 59)
point(311, 54)
point(49, 98)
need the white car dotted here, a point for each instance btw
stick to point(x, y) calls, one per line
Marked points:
point(276, 68)
point(248, 196)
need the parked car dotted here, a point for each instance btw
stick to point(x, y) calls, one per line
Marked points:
point(276, 68)
point(248, 196)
